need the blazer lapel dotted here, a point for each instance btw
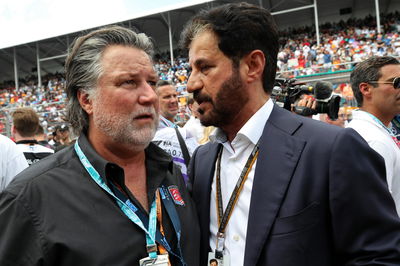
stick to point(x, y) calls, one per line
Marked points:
point(279, 153)
point(202, 191)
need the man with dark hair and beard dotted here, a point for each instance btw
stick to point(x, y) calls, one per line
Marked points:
point(112, 198)
point(272, 187)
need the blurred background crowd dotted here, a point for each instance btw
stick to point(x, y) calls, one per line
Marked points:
point(343, 44)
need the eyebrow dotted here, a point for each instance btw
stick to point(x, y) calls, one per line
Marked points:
point(135, 75)
point(200, 61)
point(391, 79)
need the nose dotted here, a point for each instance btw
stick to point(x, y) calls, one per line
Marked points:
point(173, 99)
point(148, 95)
point(194, 83)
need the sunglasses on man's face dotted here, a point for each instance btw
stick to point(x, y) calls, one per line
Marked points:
point(395, 82)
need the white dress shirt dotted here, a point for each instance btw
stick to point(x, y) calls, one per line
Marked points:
point(233, 160)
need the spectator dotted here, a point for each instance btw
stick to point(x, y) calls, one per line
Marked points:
point(193, 125)
point(25, 126)
point(12, 161)
point(168, 101)
point(340, 121)
point(176, 141)
point(62, 137)
point(41, 137)
point(376, 86)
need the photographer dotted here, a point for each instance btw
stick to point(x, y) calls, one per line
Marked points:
point(307, 104)
point(307, 100)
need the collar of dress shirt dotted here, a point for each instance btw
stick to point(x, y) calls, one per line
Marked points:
point(253, 128)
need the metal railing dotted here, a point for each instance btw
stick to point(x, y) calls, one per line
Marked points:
point(49, 118)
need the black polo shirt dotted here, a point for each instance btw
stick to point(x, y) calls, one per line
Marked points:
point(53, 213)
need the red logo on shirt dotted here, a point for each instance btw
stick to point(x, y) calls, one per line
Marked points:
point(176, 195)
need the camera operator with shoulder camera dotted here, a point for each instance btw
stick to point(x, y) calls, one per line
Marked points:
point(307, 100)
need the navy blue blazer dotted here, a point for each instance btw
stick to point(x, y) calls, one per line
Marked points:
point(319, 198)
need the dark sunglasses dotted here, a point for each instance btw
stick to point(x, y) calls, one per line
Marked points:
point(395, 82)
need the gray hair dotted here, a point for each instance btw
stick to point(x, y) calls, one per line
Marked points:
point(369, 70)
point(83, 67)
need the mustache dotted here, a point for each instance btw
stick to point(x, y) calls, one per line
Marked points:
point(199, 98)
point(145, 111)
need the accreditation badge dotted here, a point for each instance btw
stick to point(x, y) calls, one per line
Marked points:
point(213, 261)
point(161, 260)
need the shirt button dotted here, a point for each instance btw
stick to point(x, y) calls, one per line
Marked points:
point(236, 238)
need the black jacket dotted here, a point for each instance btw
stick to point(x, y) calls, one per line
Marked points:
point(55, 214)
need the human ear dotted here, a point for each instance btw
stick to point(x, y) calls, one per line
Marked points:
point(85, 102)
point(254, 65)
point(365, 89)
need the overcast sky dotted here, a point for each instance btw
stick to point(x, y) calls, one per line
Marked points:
point(24, 21)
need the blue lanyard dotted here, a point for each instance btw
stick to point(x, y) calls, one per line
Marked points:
point(166, 122)
point(151, 231)
point(379, 122)
point(134, 214)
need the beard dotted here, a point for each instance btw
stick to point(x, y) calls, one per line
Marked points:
point(226, 104)
point(123, 128)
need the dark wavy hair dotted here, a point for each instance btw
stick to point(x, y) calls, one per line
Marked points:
point(240, 28)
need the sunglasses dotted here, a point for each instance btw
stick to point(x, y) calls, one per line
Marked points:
point(395, 82)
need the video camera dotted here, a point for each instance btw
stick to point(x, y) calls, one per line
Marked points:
point(287, 91)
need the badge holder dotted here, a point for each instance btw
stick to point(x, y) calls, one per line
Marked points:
point(153, 258)
point(213, 261)
point(160, 260)
point(218, 258)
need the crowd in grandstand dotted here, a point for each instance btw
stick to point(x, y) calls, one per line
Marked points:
point(342, 45)
point(159, 140)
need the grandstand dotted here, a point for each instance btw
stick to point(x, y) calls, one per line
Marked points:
point(32, 73)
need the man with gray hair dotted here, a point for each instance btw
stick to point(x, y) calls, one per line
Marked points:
point(376, 86)
point(168, 101)
point(113, 198)
point(176, 141)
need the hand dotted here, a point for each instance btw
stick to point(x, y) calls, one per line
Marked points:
point(307, 101)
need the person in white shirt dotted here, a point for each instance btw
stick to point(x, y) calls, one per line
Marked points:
point(376, 86)
point(25, 126)
point(168, 102)
point(176, 141)
point(193, 125)
point(12, 161)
